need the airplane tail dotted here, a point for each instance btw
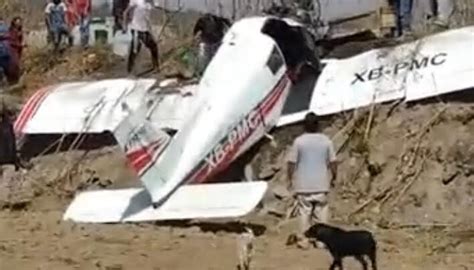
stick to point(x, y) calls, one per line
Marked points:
point(140, 141)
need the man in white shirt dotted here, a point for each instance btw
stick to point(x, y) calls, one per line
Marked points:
point(310, 162)
point(140, 26)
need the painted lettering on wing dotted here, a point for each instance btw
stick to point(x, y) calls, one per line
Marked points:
point(412, 65)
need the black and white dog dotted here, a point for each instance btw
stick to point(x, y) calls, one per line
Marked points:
point(341, 243)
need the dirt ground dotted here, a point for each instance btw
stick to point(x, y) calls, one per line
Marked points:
point(38, 240)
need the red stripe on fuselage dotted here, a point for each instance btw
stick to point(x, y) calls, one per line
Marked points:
point(142, 158)
point(264, 108)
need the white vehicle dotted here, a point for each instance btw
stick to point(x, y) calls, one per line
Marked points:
point(244, 93)
point(239, 99)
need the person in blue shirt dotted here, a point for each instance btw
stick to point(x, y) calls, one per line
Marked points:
point(56, 17)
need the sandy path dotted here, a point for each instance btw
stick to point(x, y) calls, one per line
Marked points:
point(38, 240)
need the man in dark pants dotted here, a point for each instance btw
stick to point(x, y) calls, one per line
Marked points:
point(8, 151)
point(118, 8)
point(140, 26)
point(403, 8)
point(211, 29)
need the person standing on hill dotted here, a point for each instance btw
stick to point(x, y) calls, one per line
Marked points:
point(118, 7)
point(211, 30)
point(83, 10)
point(140, 26)
point(16, 37)
point(310, 160)
point(56, 17)
point(404, 16)
point(8, 62)
point(8, 152)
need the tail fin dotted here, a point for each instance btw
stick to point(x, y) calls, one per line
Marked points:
point(140, 141)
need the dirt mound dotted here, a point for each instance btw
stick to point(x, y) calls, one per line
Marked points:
point(400, 164)
point(55, 178)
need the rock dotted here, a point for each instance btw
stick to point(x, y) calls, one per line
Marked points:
point(267, 173)
point(280, 192)
point(374, 168)
point(114, 267)
point(275, 206)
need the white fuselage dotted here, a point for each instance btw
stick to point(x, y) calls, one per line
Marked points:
point(241, 96)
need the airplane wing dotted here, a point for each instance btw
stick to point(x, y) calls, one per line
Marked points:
point(428, 67)
point(95, 107)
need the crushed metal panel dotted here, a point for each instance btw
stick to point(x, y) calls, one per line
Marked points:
point(448, 58)
point(173, 108)
point(91, 107)
point(228, 200)
point(386, 74)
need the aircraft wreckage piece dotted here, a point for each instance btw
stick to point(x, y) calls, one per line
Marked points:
point(434, 65)
point(189, 202)
point(240, 98)
point(428, 67)
point(95, 107)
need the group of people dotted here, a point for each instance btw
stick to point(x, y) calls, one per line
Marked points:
point(11, 49)
point(62, 16)
point(135, 15)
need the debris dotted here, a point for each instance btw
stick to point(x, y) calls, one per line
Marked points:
point(450, 178)
point(404, 166)
point(374, 168)
point(409, 184)
point(369, 122)
point(169, 83)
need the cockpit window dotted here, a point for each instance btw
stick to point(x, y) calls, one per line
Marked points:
point(275, 60)
point(289, 39)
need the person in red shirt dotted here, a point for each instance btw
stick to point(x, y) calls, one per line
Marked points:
point(83, 12)
point(16, 37)
point(71, 14)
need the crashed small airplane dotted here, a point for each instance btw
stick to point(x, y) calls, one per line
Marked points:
point(248, 88)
